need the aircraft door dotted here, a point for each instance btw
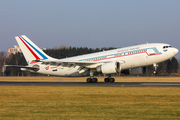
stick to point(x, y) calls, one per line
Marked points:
point(151, 51)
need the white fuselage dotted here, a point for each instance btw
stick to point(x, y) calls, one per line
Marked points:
point(129, 57)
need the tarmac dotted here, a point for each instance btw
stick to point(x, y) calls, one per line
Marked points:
point(99, 84)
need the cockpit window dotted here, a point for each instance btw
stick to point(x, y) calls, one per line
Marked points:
point(167, 46)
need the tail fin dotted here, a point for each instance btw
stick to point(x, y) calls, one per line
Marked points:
point(30, 51)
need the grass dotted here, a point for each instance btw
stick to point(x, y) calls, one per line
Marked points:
point(45, 102)
point(55, 102)
point(83, 79)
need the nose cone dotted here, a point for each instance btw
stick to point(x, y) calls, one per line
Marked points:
point(175, 51)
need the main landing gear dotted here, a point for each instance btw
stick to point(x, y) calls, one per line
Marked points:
point(109, 79)
point(95, 80)
point(92, 80)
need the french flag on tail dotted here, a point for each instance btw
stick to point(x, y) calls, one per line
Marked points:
point(30, 51)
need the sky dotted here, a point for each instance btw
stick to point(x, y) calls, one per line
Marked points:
point(90, 23)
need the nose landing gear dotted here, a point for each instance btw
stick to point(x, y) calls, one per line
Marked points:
point(155, 68)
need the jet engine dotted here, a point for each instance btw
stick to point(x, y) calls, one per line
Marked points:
point(136, 71)
point(35, 68)
point(109, 68)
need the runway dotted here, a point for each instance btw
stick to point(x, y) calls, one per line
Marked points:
point(99, 84)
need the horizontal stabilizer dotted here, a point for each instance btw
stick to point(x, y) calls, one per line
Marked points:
point(34, 68)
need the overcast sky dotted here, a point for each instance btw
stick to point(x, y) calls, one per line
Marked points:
point(90, 23)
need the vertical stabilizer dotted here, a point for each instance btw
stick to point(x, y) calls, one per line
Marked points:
point(30, 51)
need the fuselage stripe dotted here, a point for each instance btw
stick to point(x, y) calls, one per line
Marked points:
point(117, 56)
point(127, 55)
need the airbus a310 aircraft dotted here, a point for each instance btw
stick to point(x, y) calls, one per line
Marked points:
point(128, 60)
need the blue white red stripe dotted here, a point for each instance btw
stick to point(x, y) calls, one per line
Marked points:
point(26, 43)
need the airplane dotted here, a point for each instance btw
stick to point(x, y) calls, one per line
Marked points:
point(128, 60)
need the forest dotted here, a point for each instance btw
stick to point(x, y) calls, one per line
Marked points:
point(167, 68)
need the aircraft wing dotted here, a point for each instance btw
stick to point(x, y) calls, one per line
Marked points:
point(87, 64)
point(71, 63)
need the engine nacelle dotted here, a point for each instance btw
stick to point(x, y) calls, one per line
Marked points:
point(109, 68)
point(136, 71)
point(35, 68)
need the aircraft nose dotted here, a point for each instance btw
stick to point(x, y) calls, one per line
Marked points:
point(175, 51)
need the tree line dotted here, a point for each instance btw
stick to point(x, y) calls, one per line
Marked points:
point(166, 68)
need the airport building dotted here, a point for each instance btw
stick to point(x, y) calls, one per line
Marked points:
point(14, 50)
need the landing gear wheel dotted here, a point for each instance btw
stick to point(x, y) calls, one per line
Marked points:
point(89, 80)
point(111, 80)
point(106, 80)
point(94, 80)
